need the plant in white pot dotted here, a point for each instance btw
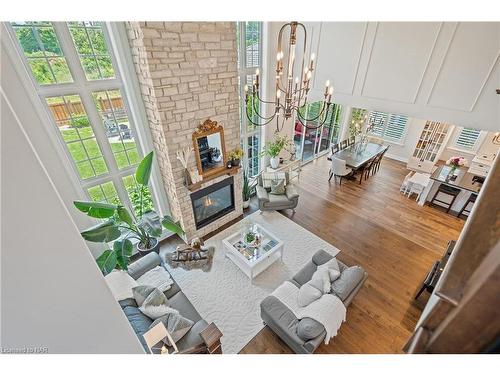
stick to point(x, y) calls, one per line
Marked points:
point(248, 189)
point(273, 149)
point(121, 225)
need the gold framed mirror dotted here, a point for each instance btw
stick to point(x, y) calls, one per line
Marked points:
point(209, 148)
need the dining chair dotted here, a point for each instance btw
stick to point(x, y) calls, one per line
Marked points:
point(339, 169)
point(335, 148)
point(379, 160)
point(405, 185)
point(417, 184)
point(343, 144)
point(367, 168)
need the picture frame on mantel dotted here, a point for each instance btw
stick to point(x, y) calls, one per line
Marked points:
point(209, 148)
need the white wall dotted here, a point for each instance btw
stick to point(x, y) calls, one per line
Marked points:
point(405, 151)
point(440, 71)
point(52, 293)
point(485, 147)
point(23, 98)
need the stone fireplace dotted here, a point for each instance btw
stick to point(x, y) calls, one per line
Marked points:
point(187, 72)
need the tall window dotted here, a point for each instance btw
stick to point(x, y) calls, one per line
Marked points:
point(249, 35)
point(467, 138)
point(75, 75)
point(388, 126)
point(312, 142)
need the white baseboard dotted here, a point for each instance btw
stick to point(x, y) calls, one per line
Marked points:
point(398, 158)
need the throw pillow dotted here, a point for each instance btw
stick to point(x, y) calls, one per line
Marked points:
point(333, 269)
point(141, 292)
point(278, 187)
point(151, 301)
point(309, 329)
point(176, 325)
point(323, 276)
point(267, 177)
point(157, 277)
point(348, 280)
point(310, 292)
point(120, 283)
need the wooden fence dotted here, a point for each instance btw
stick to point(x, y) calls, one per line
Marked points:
point(61, 114)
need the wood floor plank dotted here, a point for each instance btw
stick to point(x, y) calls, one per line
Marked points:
point(393, 238)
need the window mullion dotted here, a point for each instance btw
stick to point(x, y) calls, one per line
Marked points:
point(69, 51)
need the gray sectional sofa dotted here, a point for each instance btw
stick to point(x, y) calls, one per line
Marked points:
point(177, 300)
point(305, 335)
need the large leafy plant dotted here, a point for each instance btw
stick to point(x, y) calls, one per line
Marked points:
point(248, 186)
point(121, 225)
point(273, 149)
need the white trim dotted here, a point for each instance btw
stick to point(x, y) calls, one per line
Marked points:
point(397, 157)
point(477, 145)
point(121, 51)
point(30, 86)
point(84, 88)
point(243, 71)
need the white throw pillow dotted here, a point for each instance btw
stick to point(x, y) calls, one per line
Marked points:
point(157, 277)
point(121, 284)
point(323, 275)
point(310, 292)
point(155, 304)
point(333, 269)
point(268, 177)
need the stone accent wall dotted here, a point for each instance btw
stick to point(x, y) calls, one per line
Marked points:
point(187, 72)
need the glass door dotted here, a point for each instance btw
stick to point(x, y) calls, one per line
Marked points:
point(310, 143)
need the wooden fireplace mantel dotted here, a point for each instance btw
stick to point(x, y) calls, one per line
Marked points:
point(228, 171)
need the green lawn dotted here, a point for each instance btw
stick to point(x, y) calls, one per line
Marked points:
point(84, 165)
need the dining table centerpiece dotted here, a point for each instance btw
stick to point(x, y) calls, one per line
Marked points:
point(455, 162)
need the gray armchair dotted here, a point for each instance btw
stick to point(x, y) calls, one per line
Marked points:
point(273, 202)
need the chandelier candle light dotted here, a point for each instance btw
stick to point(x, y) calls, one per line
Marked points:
point(291, 93)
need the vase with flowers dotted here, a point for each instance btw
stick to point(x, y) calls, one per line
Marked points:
point(455, 162)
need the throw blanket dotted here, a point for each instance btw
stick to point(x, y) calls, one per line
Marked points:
point(327, 310)
point(157, 277)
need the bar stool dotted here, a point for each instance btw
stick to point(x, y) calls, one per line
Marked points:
point(343, 144)
point(446, 190)
point(472, 199)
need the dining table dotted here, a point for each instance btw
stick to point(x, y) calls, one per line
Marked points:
point(357, 155)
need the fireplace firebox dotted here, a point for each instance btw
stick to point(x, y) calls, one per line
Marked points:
point(213, 202)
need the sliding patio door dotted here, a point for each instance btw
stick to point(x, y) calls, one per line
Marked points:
point(313, 142)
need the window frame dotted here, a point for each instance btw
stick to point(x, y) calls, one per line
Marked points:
point(243, 72)
point(85, 88)
point(387, 116)
point(474, 148)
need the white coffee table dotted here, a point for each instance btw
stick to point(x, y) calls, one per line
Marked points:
point(252, 261)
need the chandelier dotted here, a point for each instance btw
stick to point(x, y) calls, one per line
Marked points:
point(292, 86)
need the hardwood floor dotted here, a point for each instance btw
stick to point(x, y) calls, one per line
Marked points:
point(393, 238)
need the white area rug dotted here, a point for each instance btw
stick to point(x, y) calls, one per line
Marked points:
point(226, 296)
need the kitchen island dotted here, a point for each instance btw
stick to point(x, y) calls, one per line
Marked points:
point(467, 182)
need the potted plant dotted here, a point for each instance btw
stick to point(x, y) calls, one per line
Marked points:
point(248, 189)
point(273, 149)
point(235, 157)
point(121, 225)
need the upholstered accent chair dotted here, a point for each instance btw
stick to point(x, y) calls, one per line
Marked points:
point(339, 169)
point(275, 202)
